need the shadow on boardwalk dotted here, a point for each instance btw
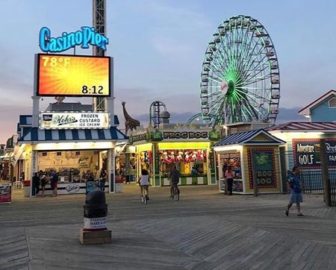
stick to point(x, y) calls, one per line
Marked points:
point(204, 230)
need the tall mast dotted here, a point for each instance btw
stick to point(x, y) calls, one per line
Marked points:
point(99, 13)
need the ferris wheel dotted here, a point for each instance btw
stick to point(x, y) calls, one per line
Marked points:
point(240, 80)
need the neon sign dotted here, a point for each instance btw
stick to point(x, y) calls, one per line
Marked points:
point(84, 37)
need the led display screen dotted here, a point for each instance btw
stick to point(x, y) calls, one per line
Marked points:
point(67, 75)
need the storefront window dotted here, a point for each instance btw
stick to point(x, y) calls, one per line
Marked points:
point(188, 162)
point(72, 166)
point(146, 160)
point(232, 160)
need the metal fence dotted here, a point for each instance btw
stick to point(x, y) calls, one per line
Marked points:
point(311, 177)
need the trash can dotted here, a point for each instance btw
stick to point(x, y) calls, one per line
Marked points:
point(26, 188)
point(95, 211)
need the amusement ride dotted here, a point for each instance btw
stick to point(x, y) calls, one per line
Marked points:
point(240, 79)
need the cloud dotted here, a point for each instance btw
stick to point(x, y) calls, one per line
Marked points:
point(9, 117)
point(169, 46)
point(289, 114)
point(180, 17)
point(175, 30)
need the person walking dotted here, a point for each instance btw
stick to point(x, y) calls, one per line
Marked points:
point(174, 180)
point(144, 183)
point(294, 183)
point(36, 184)
point(102, 179)
point(44, 181)
point(229, 174)
point(53, 182)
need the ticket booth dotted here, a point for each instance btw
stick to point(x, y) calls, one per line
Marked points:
point(254, 158)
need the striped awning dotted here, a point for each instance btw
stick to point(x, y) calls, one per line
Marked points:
point(34, 134)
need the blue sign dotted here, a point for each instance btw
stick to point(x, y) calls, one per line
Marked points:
point(84, 37)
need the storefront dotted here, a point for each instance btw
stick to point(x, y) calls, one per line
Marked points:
point(302, 149)
point(189, 150)
point(254, 159)
point(70, 141)
point(75, 155)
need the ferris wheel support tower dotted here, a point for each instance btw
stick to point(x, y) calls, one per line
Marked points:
point(99, 14)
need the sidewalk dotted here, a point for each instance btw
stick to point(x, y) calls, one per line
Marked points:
point(204, 230)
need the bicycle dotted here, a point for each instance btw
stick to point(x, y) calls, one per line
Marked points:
point(144, 194)
point(174, 192)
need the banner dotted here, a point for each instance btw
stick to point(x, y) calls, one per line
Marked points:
point(263, 168)
point(87, 120)
point(307, 152)
point(5, 193)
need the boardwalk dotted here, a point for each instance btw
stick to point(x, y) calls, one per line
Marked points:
point(205, 230)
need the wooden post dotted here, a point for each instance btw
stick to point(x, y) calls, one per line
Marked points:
point(255, 187)
point(325, 174)
point(254, 175)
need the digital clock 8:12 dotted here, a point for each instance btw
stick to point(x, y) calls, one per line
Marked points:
point(94, 90)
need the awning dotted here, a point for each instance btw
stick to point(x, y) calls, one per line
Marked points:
point(8, 156)
point(18, 150)
point(34, 134)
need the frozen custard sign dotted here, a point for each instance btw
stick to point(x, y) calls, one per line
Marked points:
point(84, 37)
point(74, 120)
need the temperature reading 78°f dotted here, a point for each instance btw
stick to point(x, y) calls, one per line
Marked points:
point(55, 61)
point(93, 90)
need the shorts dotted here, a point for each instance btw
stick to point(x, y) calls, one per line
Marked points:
point(296, 197)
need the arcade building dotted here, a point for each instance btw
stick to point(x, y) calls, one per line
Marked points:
point(157, 150)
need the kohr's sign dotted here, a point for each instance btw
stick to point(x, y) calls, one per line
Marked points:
point(84, 37)
point(74, 120)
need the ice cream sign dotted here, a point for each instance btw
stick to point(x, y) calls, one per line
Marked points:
point(84, 37)
point(74, 120)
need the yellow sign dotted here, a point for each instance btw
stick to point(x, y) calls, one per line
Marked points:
point(67, 75)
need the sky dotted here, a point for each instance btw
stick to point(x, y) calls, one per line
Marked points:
point(158, 48)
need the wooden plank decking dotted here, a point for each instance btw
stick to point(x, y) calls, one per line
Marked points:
point(204, 230)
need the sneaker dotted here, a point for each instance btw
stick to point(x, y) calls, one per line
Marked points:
point(286, 212)
point(300, 215)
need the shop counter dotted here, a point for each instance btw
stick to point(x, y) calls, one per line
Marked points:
point(237, 186)
point(69, 188)
point(187, 180)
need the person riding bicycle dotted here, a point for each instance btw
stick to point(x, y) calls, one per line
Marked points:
point(144, 183)
point(174, 180)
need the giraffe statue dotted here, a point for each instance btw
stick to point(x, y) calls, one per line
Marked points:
point(130, 123)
